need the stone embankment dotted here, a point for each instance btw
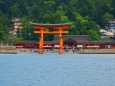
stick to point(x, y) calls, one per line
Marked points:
point(97, 51)
point(8, 49)
point(14, 50)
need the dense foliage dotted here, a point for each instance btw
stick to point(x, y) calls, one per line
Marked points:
point(88, 15)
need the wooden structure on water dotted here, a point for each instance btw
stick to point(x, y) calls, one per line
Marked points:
point(51, 29)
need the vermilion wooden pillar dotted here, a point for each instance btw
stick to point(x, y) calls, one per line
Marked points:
point(58, 30)
point(60, 41)
point(41, 43)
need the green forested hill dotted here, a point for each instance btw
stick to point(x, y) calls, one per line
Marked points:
point(86, 14)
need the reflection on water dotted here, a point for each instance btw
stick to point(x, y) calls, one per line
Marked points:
point(57, 70)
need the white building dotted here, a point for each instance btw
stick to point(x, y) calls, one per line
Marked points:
point(16, 26)
point(111, 26)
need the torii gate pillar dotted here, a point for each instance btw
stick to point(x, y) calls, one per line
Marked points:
point(60, 41)
point(41, 42)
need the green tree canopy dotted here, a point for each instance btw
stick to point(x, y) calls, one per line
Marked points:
point(86, 14)
point(93, 35)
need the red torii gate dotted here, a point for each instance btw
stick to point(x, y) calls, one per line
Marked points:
point(51, 29)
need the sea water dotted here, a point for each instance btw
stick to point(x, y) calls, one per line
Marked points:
point(57, 70)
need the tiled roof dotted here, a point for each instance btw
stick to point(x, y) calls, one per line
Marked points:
point(61, 24)
point(79, 38)
point(30, 41)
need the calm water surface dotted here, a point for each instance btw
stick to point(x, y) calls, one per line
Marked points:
point(57, 70)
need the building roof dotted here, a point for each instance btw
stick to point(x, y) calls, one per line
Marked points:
point(112, 20)
point(79, 39)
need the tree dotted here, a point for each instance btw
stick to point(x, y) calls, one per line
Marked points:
point(13, 40)
point(3, 33)
point(106, 18)
point(93, 35)
point(73, 30)
point(15, 10)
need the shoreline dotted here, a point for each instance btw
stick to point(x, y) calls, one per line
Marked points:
point(82, 51)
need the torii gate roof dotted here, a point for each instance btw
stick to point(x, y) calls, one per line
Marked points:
point(51, 25)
